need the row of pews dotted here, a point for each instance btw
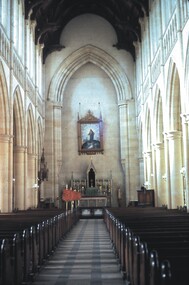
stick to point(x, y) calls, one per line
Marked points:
point(27, 239)
point(152, 244)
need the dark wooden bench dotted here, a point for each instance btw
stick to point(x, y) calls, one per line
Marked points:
point(152, 244)
point(27, 239)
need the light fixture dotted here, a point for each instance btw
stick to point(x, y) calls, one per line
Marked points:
point(164, 177)
point(183, 171)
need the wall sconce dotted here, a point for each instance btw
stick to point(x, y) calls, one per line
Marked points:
point(146, 184)
point(164, 177)
point(35, 186)
point(183, 171)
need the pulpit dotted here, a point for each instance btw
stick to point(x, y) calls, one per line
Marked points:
point(146, 197)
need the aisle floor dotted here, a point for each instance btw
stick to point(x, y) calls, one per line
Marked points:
point(84, 257)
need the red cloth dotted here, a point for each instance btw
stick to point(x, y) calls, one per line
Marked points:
point(66, 195)
point(70, 195)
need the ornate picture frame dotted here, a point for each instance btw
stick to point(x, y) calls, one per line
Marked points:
point(90, 134)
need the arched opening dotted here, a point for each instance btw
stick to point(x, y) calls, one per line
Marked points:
point(18, 152)
point(91, 177)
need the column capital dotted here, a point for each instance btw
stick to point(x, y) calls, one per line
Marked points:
point(125, 102)
point(32, 155)
point(158, 145)
point(57, 105)
point(185, 118)
point(5, 138)
point(147, 153)
point(140, 159)
point(122, 103)
point(173, 135)
point(20, 149)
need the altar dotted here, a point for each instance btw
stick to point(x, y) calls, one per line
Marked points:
point(92, 191)
point(95, 192)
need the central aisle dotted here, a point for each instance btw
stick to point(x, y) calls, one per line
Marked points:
point(84, 257)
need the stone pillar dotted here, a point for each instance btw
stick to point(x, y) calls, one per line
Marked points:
point(175, 165)
point(166, 176)
point(145, 166)
point(129, 148)
point(19, 172)
point(161, 195)
point(141, 169)
point(185, 128)
point(5, 174)
point(49, 150)
point(30, 199)
point(123, 128)
point(148, 170)
point(124, 147)
point(57, 128)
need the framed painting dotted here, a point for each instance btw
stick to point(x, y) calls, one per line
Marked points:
point(90, 134)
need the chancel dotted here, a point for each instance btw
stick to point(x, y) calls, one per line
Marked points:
point(95, 191)
point(94, 131)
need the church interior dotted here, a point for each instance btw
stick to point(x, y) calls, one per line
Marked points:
point(118, 68)
point(94, 112)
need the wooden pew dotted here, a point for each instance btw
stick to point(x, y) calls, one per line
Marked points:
point(27, 239)
point(164, 232)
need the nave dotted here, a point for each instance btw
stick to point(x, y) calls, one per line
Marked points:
point(84, 257)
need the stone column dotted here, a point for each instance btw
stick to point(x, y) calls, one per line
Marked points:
point(19, 172)
point(148, 167)
point(57, 128)
point(124, 147)
point(153, 174)
point(4, 173)
point(161, 196)
point(49, 150)
point(123, 128)
point(166, 176)
point(145, 166)
point(175, 165)
point(185, 128)
point(141, 169)
point(30, 199)
point(129, 148)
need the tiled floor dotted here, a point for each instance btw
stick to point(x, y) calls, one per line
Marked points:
point(84, 257)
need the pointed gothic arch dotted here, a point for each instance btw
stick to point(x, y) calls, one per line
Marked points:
point(30, 130)
point(147, 129)
point(174, 135)
point(18, 118)
point(140, 152)
point(185, 102)
point(98, 57)
point(158, 158)
point(158, 116)
point(173, 98)
point(91, 175)
point(5, 198)
point(140, 136)
point(4, 103)
point(18, 150)
point(40, 136)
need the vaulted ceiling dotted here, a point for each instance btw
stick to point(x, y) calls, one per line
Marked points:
point(53, 15)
